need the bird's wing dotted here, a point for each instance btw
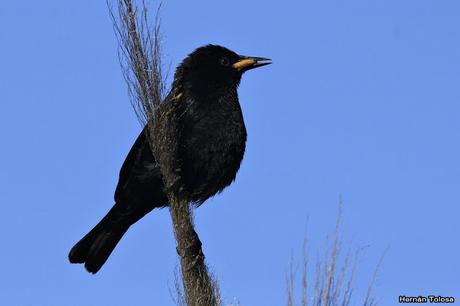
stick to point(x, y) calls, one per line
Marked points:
point(139, 165)
point(140, 175)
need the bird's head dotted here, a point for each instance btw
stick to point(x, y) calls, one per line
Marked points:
point(212, 70)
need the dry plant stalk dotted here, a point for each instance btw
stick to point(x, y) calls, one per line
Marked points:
point(333, 281)
point(140, 59)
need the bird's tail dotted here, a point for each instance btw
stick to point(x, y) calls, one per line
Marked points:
point(95, 248)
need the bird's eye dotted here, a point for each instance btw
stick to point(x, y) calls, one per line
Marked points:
point(225, 61)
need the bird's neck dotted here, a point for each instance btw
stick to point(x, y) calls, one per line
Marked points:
point(212, 96)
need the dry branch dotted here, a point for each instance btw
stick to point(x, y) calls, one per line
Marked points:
point(141, 62)
point(333, 281)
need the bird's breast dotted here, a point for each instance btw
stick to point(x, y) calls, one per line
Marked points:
point(214, 145)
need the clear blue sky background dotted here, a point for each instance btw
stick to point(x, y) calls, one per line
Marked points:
point(363, 101)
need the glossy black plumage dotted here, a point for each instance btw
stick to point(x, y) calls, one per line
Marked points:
point(212, 142)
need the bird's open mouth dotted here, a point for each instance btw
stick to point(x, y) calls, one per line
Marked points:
point(250, 62)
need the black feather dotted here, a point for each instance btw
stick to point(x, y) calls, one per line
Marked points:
point(211, 137)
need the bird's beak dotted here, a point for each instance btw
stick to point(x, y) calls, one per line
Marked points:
point(246, 63)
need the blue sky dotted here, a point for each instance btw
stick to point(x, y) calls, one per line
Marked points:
point(362, 101)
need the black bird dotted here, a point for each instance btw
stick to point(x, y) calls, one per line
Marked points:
point(212, 144)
